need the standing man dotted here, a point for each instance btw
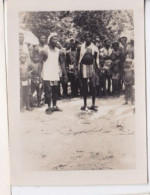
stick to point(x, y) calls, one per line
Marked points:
point(123, 54)
point(88, 61)
point(71, 63)
point(42, 51)
point(53, 69)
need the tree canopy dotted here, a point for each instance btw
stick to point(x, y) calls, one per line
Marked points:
point(102, 24)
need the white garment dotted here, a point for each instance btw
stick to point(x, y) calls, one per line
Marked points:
point(51, 67)
point(92, 47)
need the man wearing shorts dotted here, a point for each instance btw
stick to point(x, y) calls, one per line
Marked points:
point(88, 62)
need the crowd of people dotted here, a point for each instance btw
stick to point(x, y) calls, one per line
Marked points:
point(93, 67)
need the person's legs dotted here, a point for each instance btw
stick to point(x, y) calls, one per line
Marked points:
point(117, 85)
point(130, 92)
point(113, 86)
point(120, 83)
point(104, 85)
point(39, 94)
point(72, 83)
point(132, 95)
point(54, 95)
point(97, 83)
point(76, 86)
point(59, 92)
point(48, 94)
point(21, 98)
point(97, 90)
point(65, 87)
point(126, 94)
point(100, 87)
point(109, 84)
point(84, 92)
point(93, 91)
point(33, 89)
point(27, 97)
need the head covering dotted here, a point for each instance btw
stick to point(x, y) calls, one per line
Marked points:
point(72, 39)
point(123, 37)
point(40, 35)
point(23, 54)
point(54, 34)
point(97, 39)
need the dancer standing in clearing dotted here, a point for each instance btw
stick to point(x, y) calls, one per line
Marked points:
point(53, 69)
point(88, 61)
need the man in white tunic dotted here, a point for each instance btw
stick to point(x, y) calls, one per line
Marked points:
point(53, 69)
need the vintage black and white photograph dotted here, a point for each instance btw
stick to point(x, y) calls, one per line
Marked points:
point(76, 93)
point(77, 90)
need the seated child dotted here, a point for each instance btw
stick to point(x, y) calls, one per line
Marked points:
point(128, 77)
point(36, 80)
point(24, 82)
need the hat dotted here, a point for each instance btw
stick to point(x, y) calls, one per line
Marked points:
point(123, 37)
point(72, 39)
point(97, 39)
point(22, 54)
point(54, 34)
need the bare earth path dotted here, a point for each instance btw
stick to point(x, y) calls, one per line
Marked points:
point(78, 140)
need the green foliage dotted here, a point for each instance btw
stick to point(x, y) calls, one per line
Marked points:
point(102, 24)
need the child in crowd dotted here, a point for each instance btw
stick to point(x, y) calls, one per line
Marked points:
point(102, 79)
point(36, 80)
point(115, 69)
point(128, 77)
point(25, 89)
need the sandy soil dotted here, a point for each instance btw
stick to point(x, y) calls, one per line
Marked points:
point(79, 140)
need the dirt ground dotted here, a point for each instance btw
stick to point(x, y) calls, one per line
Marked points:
point(79, 140)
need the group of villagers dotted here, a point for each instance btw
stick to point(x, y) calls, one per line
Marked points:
point(50, 71)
